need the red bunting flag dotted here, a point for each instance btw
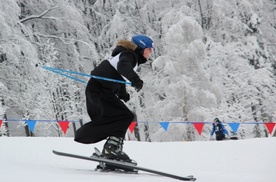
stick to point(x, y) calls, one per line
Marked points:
point(132, 126)
point(64, 126)
point(198, 127)
point(1, 121)
point(270, 127)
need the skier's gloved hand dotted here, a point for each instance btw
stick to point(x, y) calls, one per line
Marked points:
point(137, 83)
point(124, 97)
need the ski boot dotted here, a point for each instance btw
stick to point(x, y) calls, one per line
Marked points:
point(113, 150)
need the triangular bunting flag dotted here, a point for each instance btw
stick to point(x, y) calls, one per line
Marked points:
point(64, 126)
point(198, 127)
point(270, 127)
point(132, 126)
point(31, 124)
point(1, 121)
point(165, 125)
point(234, 127)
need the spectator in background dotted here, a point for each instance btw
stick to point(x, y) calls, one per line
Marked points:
point(219, 130)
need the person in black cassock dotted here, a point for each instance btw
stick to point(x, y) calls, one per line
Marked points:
point(110, 117)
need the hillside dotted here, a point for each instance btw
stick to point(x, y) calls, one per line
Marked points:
point(27, 159)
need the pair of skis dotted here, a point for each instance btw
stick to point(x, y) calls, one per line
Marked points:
point(124, 165)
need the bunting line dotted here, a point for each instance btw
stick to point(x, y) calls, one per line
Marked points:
point(270, 126)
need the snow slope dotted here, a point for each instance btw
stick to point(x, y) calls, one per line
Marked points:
point(31, 159)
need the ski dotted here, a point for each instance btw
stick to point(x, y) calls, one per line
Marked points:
point(124, 165)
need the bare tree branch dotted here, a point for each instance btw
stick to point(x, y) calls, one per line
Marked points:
point(38, 16)
point(64, 40)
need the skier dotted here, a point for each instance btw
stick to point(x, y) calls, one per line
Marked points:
point(219, 130)
point(110, 117)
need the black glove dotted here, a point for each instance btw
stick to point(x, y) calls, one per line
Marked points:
point(137, 83)
point(124, 97)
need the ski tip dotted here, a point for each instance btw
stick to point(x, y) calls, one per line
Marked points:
point(55, 152)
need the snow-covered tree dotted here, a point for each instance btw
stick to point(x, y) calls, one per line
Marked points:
point(211, 59)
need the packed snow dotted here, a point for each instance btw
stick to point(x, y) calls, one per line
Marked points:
point(31, 159)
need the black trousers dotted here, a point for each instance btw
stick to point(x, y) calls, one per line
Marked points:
point(220, 135)
point(109, 115)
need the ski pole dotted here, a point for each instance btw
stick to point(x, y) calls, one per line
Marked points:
point(68, 76)
point(59, 70)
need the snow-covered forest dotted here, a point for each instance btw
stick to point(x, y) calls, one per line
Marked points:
point(214, 58)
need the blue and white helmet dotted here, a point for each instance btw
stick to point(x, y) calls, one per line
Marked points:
point(142, 41)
